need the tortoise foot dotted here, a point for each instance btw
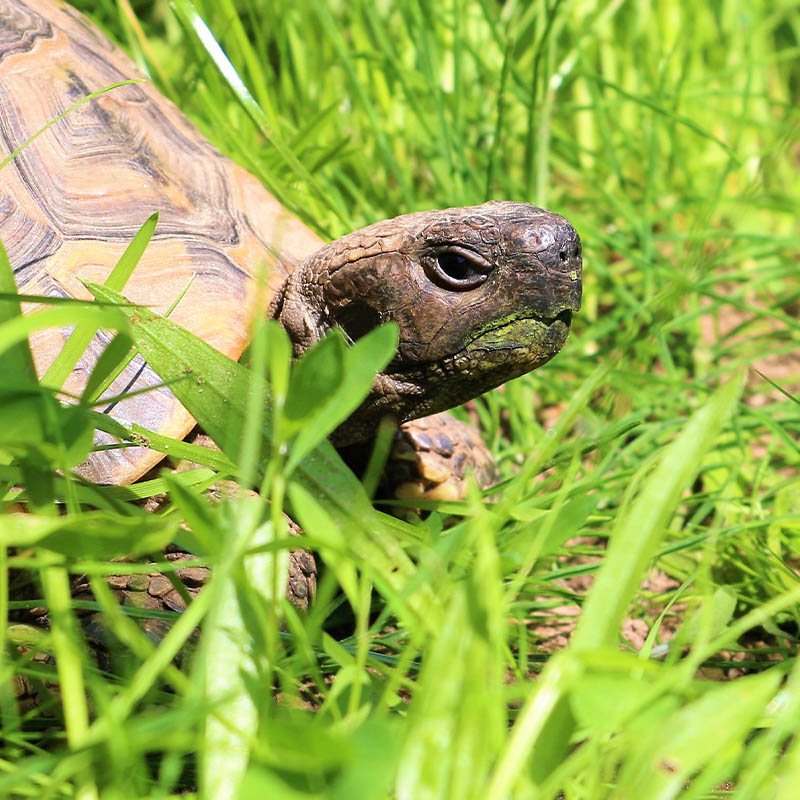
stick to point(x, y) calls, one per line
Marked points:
point(433, 457)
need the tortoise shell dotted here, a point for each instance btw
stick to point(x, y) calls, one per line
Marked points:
point(73, 199)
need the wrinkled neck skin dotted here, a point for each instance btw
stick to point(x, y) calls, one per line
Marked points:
point(481, 295)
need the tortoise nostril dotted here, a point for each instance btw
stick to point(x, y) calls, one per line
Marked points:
point(562, 254)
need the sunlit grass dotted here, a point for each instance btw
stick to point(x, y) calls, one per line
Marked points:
point(668, 135)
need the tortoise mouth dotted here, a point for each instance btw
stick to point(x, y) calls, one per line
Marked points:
point(520, 329)
point(565, 317)
point(524, 332)
point(521, 343)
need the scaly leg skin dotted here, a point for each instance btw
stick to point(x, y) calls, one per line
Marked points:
point(432, 458)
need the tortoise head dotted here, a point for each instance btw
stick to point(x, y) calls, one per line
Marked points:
point(480, 294)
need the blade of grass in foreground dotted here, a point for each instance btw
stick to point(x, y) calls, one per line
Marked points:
point(226, 666)
point(17, 359)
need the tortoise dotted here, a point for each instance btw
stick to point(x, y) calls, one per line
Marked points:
point(481, 294)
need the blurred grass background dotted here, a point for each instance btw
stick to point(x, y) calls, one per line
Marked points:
point(668, 134)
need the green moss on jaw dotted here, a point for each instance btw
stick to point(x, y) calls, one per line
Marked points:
point(479, 331)
point(527, 335)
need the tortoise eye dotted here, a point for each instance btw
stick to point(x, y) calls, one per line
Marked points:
point(459, 269)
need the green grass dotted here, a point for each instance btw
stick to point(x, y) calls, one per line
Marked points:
point(668, 134)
